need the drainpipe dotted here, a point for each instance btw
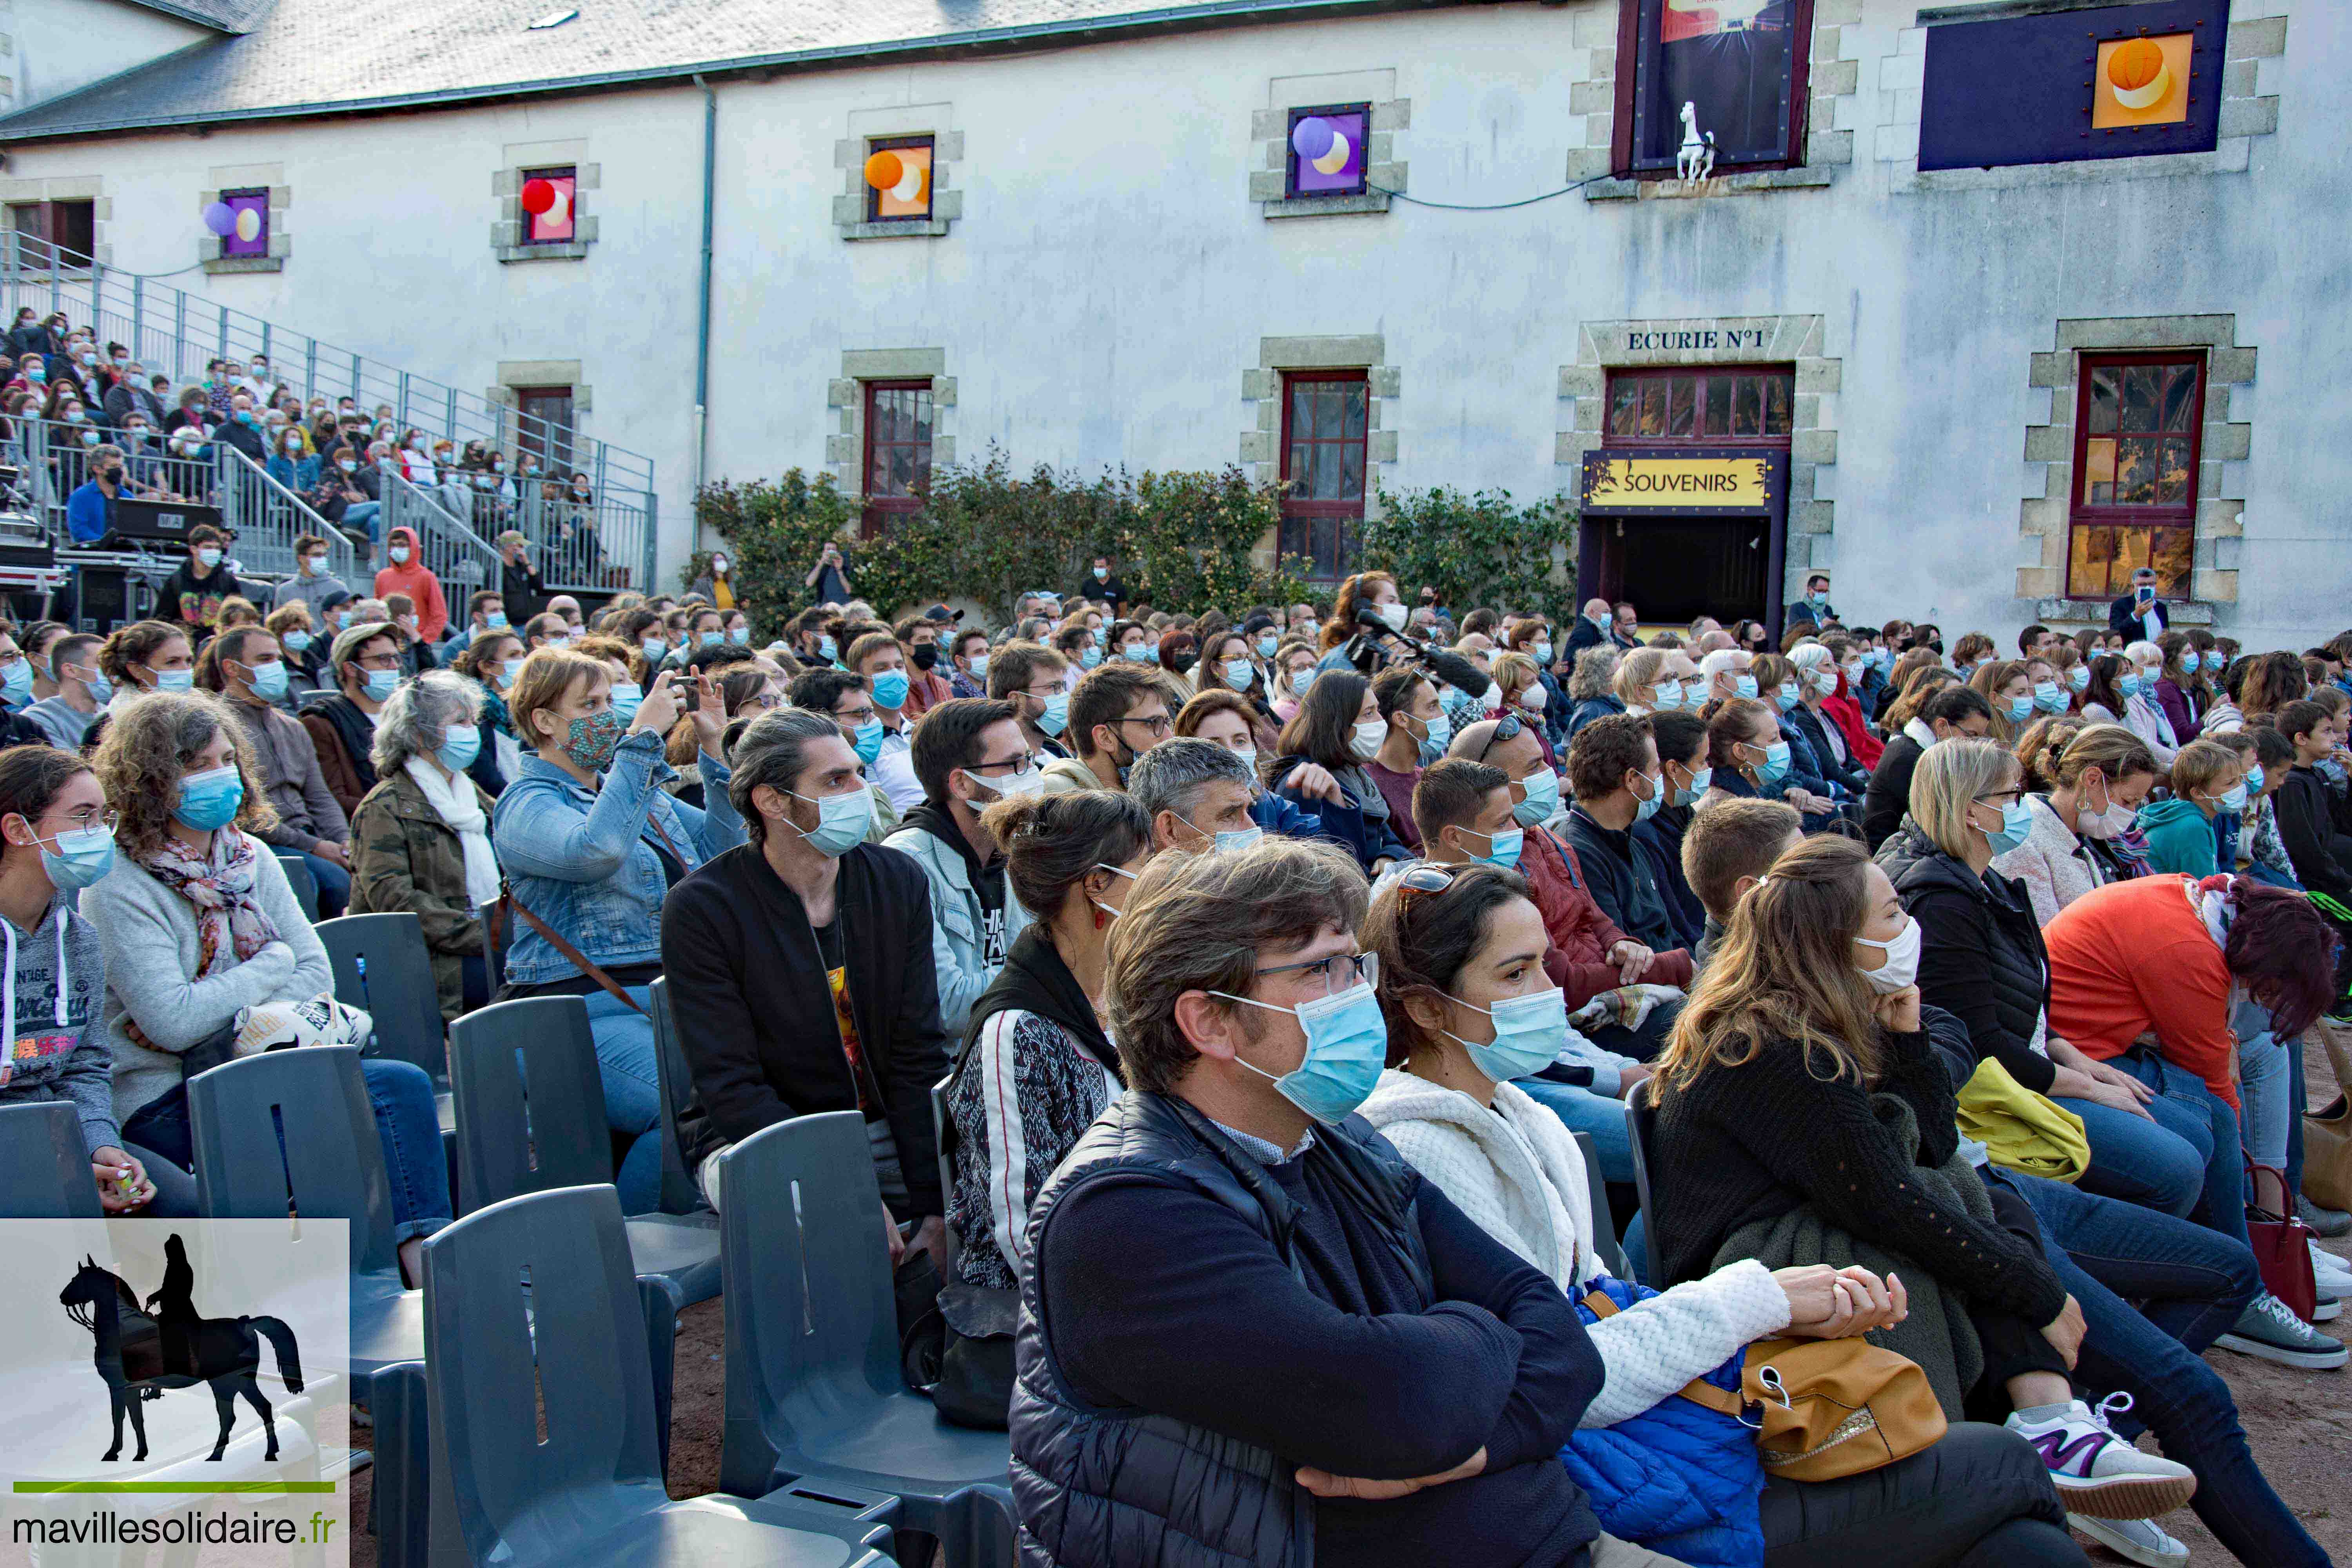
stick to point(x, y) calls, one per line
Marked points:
point(702, 306)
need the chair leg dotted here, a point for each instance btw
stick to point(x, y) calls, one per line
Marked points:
point(975, 1526)
point(658, 1299)
point(403, 1464)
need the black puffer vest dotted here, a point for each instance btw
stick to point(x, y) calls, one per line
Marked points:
point(1112, 1488)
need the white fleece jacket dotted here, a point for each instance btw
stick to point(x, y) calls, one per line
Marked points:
point(1516, 1172)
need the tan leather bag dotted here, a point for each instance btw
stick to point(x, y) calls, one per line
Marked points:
point(2328, 1133)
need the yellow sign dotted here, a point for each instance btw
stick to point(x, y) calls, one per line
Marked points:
point(1620, 482)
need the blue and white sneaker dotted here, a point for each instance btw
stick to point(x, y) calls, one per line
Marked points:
point(2099, 1474)
point(2268, 1329)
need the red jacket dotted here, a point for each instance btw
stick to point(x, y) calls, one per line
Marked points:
point(1581, 934)
point(2135, 956)
point(1841, 706)
point(413, 580)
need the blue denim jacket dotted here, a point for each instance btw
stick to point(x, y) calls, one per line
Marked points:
point(585, 861)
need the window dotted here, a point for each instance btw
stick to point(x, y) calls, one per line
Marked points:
point(545, 428)
point(2137, 419)
point(897, 450)
point(557, 223)
point(1324, 416)
point(1728, 74)
point(911, 198)
point(250, 237)
point(1325, 156)
point(1715, 406)
point(48, 230)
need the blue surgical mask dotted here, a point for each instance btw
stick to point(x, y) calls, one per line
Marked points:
point(1687, 794)
point(267, 681)
point(496, 620)
point(1136, 651)
point(711, 639)
point(2129, 685)
point(654, 648)
point(176, 679)
point(1669, 695)
point(16, 682)
point(890, 688)
point(1786, 696)
point(460, 744)
point(2016, 823)
point(979, 663)
point(841, 820)
point(210, 799)
point(1503, 848)
point(1775, 765)
point(2190, 662)
point(1543, 798)
point(2234, 797)
point(1091, 658)
point(1239, 673)
point(2079, 677)
point(1266, 645)
point(826, 649)
point(1746, 686)
point(1300, 680)
point(1646, 807)
point(1440, 730)
point(1346, 1046)
point(2021, 709)
point(1528, 1034)
point(298, 641)
point(869, 744)
point(1056, 716)
point(1238, 838)
point(2048, 697)
point(101, 691)
point(1541, 652)
point(380, 684)
point(82, 856)
point(1817, 598)
point(627, 697)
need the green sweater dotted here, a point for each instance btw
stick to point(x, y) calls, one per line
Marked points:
point(2180, 838)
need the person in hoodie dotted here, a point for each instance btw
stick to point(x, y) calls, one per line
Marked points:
point(57, 837)
point(2317, 843)
point(2208, 779)
point(407, 573)
point(969, 755)
point(366, 667)
point(193, 594)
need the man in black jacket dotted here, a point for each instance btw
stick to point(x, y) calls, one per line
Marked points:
point(2139, 615)
point(1954, 711)
point(519, 580)
point(800, 971)
point(1251, 1332)
point(1612, 771)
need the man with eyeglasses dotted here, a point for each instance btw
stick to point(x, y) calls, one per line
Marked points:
point(968, 754)
point(843, 697)
point(1250, 1330)
point(878, 661)
point(367, 666)
point(1117, 712)
point(1029, 676)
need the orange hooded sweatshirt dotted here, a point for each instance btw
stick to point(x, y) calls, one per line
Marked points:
point(2136, 956)
point(412, 579)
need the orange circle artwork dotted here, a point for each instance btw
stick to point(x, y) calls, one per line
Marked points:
point(2135, 63)
point(884, 170)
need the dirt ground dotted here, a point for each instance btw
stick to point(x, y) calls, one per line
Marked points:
point(2300, 1423)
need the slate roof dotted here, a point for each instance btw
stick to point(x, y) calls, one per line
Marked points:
point(222, 15)
point(303, 58)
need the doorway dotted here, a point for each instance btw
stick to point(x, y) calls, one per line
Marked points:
point(1676, 569)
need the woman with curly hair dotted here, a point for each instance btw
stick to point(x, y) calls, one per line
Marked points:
point(198, 924)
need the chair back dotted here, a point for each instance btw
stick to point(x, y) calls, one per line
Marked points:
point(43, 1166)
point(680, 1193)
point(1642, 1123)
point(812, 1328)
point(305, 886)
point(382, 965)
point(292, 1131)
point(943, 1129)
point(541, 1398)
point(1604, 1224)
point(529, 1102)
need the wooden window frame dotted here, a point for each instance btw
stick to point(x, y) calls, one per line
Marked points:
point(1350, 514)
point(2081, 515)
point(1629, 16)
point(529, 238)
point(927, 140)
point(881, 511)
point(1290, 186)
point(527, 439)
point(1618, 375)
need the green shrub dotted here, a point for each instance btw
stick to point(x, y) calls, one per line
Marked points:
point(1478, 548)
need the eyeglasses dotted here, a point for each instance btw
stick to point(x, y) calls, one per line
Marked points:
point(93, 816)
point(1506, 729)
point(1338, 972)
point(1159, 725)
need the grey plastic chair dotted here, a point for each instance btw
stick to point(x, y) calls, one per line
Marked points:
point(531, 1117)
point(679, 1191)
point(1642, 1122)
point(942, 1126)
point(298, 878)
point(43, 1164)
point(813, 1390)
point(546, 1422)
point(382, 965)
point(1604, 1224)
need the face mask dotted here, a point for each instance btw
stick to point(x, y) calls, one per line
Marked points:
point(496, 620)
point(718, 566)
point(2079, 677)
point(1090, 658)
point(2190, 662)
point(2020, 708)
point(1528, 1034)
point(2129, 685)
point(101, 691)
point(627, 697)
point(1646, 807)
point(2048, 697)
point(210, 799)
point(655, 647)
point(1136, 651)
point(1028, 780)
point(82, 856)
point(1394, 617)
point(1440, 730)
point(925, 655)
point(1786, 695)
point(1248, 755)
point(2016, 822)
point(348, 465)
point(267, 681)
point(1817, 599)
point(1347, 1045)
point(712, 639)
point(1232, 839)
point(1775, 765)
point(208, 558)
point(1364, 744)
point(1503, 846)
point(1687, 794)
point(1667, 696)
point(2234, 797)
point(1239, 673)
point(1826, 683)
point(1541, 653)
point(1300, 680)
point(460, 744)
point(16, 682)
point(592, 738)
point(890, 688)
point(1543, 797)
point(825, 649)
point(399, 553)
point(1745, 686)
point(176, 679)
point(378, 684)
point(2105, 822)
point(1902, 964)
point(1532, 699)
point(1102, 573)
point(841, 820)
point(868, 741)
point(1056, 716)
point(1266, 645)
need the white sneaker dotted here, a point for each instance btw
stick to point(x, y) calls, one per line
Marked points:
point(2135, 1539)
point(2269, 1329)
point(2097, 1472)
point(2327, 1302)
point(2324, 1264)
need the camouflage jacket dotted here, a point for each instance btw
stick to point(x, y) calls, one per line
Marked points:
point(405, 857)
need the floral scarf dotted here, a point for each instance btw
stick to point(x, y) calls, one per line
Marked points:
point(229, 915)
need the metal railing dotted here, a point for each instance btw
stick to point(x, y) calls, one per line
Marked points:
point(52, 460)
point(604, 544)
point(462, 559)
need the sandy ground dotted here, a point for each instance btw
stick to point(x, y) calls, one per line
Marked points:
point(2300, 1423)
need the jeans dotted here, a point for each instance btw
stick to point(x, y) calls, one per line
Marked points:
point(2190, 1284)
point(365, 514)
point(2186, 1105)
point(1978, 1499)
point(2298, 1102)
point(2149, 1163)
point(334, 884)
point(474, 986)
point(2265, 1098)
point(1581, 1111)
point(624, 1061)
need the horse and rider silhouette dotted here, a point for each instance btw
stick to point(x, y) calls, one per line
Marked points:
point(141, 1352)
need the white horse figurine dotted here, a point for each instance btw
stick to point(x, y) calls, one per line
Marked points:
point(1696, 159)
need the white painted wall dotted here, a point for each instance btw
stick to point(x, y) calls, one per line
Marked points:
point(54, 52)
point(1110, 281)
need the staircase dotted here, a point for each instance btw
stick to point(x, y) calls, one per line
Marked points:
point(600, 546)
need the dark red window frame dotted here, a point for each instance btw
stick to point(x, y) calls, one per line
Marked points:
point(547, 432)
point(1705, 375)
point(1631, 15)
point(1342, 517)
point(930, 185)
point(881, 510)
point(566, 178)
point(2168, 517)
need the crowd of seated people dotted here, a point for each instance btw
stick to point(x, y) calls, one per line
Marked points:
point(1971, 1014)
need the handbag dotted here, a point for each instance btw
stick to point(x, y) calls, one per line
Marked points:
point(1830, 1408)
point(2281, 1246)
point(975, 1377)
point(2328, 1133)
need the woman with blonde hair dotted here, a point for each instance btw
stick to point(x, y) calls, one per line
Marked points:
point(1516, 690)
point(2143, 713)
point(2088, 780)
point(1912, 692)
point(1641, 684)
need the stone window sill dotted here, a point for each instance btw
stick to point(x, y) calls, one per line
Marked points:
point(575, 250)
point(1807, 178)
point(1326, 206)
point(898, 228)
point(218, 265)
point(2179, 612)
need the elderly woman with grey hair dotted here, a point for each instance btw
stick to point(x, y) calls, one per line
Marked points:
point(420, 838)
point(1590, 688)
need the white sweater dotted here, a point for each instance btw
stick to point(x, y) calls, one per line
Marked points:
point(1516, 1173)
